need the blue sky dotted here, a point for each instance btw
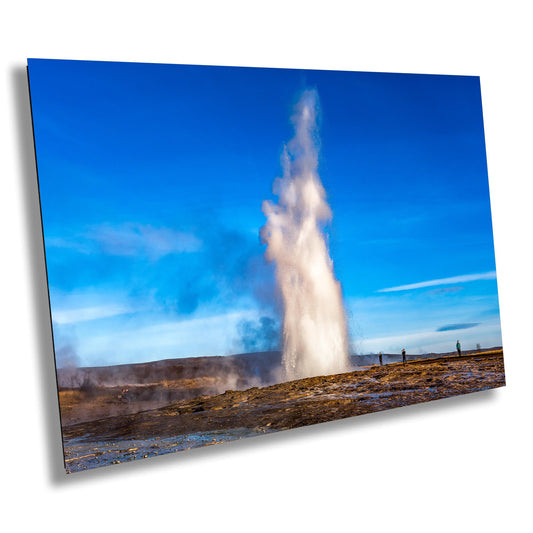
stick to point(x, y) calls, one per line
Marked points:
point(152, 178)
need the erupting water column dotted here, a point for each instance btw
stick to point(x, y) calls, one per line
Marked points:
point(315, 340)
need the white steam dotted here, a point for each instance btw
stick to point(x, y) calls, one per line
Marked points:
point(315, 340)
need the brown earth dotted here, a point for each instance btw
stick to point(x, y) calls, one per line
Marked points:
point(281, 406)
point(93, 393)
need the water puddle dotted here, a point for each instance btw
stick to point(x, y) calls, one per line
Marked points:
point(81, 455)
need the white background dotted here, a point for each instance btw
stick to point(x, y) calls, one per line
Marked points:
point(461, 464)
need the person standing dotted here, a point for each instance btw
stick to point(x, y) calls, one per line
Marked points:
point(403, 356)
point(380, 359)
point(458, 346)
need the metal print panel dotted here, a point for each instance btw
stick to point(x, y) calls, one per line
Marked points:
point(236, 251)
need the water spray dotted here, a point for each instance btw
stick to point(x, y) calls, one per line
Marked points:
point(315, 339)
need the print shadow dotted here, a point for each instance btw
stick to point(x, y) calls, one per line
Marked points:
point(41, 320)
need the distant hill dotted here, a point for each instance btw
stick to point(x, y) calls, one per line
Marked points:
point(262, 367)
point(245, 369)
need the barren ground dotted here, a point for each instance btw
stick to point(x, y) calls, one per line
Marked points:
point(192, 422)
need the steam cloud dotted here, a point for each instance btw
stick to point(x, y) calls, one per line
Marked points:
point(315, 340)
point(259, 336)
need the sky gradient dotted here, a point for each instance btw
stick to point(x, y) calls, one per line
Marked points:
point(152, 179)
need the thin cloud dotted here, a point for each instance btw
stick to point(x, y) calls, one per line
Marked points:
point(444, 281)
point(463, 325)
point(446, 290)
point(137, 239)
point(78, 244)
point(84, 314)
point(130, 240)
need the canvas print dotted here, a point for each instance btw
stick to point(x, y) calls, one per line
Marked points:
point(236, 251)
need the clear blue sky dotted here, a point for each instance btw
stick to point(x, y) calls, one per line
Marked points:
point(152, 178)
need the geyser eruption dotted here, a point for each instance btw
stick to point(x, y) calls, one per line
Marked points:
point(315, 340)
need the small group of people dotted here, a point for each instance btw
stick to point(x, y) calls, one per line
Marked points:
point(404, 357)
point(380, 355)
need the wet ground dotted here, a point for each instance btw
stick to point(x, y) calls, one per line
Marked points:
point(82, 455)
point(234, 415)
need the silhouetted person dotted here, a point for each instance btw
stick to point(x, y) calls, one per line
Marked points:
point(380, 359)
point(458, 346)
point(403, 356)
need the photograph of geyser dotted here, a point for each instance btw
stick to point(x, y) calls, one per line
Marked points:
point(236, 251)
